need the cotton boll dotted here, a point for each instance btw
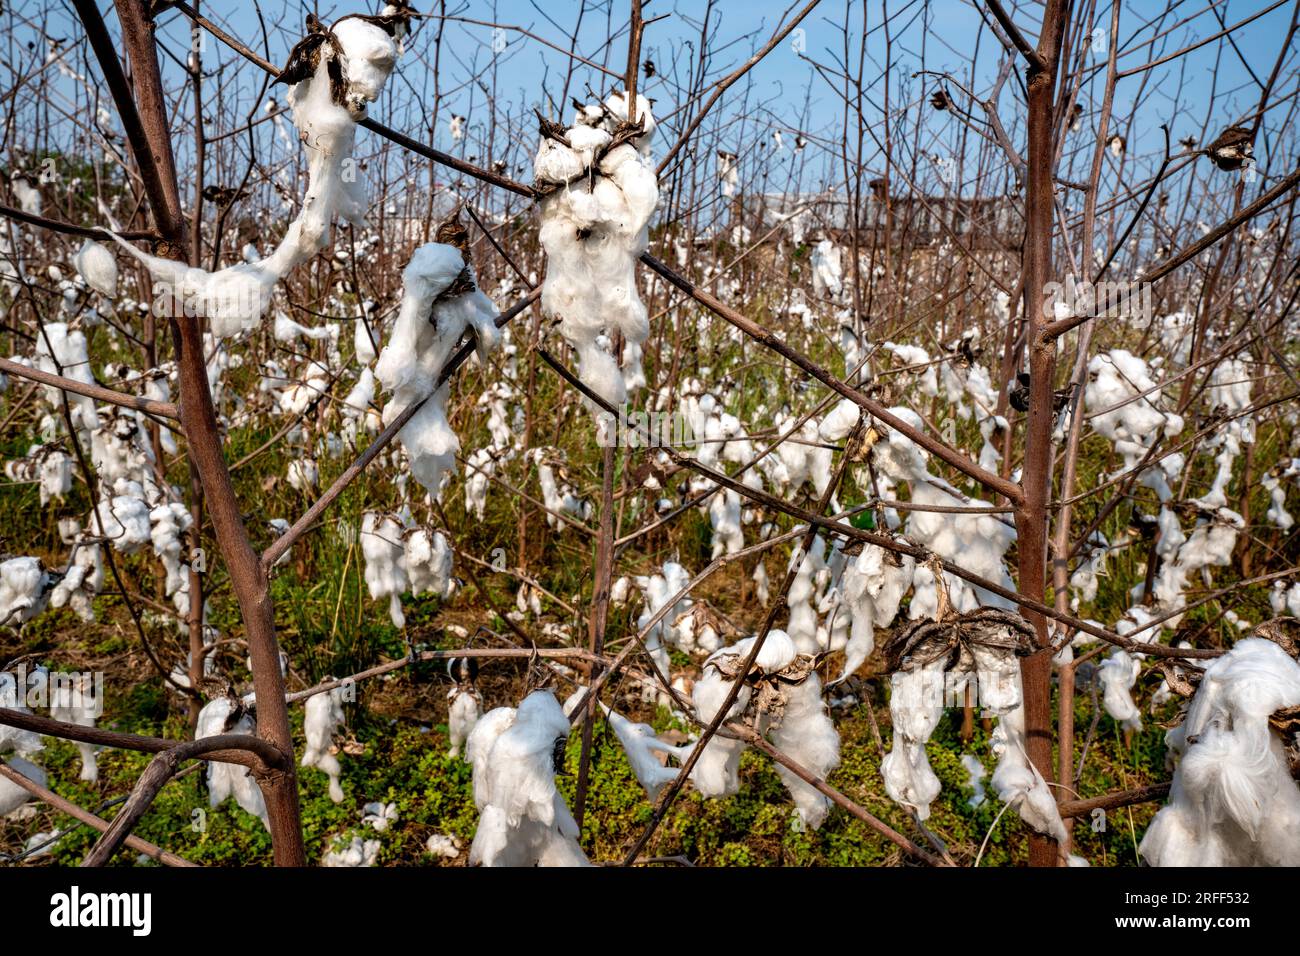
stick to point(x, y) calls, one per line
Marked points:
point(24, 590)
point(379, 816)
point(724, 516)
point(169, 523)
point(524, 821)
point(839, 421)
point(63, 352)
point(481, 467)
point(302, 475)
point(443, 845)
point(362, 344)
point(464, 709)
point(84, 577)
point(383, 549)
point(1019, 784)
point(802, 624)
point(1277, 513)
point(222, 716)
point(28, 196)
point(97, 267)
point(74, 700)
point(915, 706)
point(1233, 801)
point(13, 796)
point(872, 587)
point(640, 744)
point(371, 55)
point(322, 716)
point(1116, 379)
point(593, 231)
point(717, 771)
point(1210, 544)
point(808, 737)
point(428, 559)
point(827, 270)
point(1118, 673)
point(426, 332)
point(358, 853)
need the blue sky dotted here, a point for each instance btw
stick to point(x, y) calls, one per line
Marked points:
point(784, 92)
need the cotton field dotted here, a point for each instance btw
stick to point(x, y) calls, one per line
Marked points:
point(834, 435)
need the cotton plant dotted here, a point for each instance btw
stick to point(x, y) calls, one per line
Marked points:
point(934, 665)
point(1233, 801)
point(515, 753)
point(334, 75)
point(599, 190)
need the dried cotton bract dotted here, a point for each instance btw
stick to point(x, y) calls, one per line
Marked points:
point(600, 190)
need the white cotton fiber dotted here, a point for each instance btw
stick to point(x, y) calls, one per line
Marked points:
point(383, 548)
point(423, 339)
point(1233, 800)
point(96, 265)
point(524, 820)
point(594, 226)
point(226, 779)
point(236, 298)
point(24, 590)
point(323, 713)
